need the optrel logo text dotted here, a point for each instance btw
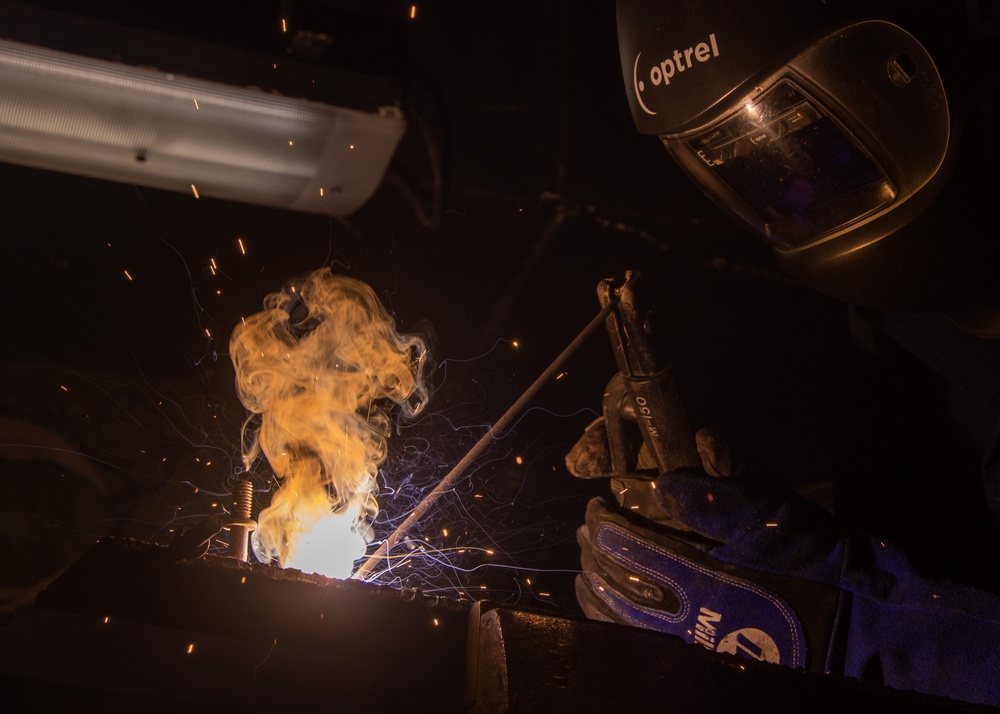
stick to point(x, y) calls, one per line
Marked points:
point(680, 61)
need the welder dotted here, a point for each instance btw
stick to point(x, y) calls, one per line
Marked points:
point(857, 140)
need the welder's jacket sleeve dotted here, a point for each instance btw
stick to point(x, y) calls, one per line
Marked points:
point(764, 573)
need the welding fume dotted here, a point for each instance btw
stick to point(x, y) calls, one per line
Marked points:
point(318, 367)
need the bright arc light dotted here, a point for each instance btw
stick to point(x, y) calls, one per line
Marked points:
point(330, 548)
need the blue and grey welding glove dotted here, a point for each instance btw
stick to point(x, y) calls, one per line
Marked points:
point(739, 565)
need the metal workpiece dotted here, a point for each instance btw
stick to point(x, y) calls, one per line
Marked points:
point(128, 624)
point(522, 661)
point(130, 628)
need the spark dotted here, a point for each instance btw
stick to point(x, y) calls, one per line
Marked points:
point(772, 525)
point(320, 190)
point(128, 275)
point(284, 25)
point(207, 332)
point(291, 143)
point(194, 190)
point(106, 620)
point(64, 387)
point(444, 532)
point(351, 147)
point(435, 622)
point(413, 11)
point(561, 375)
point(516, 344)
point(633, 579)
point(243, 249)
point(214, 264)
point(196, 104)
point(243, 580)
point(711, 498)
point(191, 648)
point(518, 460)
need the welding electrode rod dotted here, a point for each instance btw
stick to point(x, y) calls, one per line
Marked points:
point(485, 440)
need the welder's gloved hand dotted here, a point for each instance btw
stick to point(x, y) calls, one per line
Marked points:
point(726, 559)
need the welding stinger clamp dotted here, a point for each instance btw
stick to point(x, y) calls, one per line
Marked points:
point(647, 425)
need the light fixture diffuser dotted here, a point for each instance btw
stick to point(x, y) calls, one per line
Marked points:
point(110, 120)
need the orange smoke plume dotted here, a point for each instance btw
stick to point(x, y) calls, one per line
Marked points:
point(322, 365)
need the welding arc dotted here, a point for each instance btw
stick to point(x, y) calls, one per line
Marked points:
point(480, 446)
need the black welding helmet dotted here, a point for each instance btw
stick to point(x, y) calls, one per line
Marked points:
point(855, 138)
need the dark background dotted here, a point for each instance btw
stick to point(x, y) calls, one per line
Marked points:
point(520, 184)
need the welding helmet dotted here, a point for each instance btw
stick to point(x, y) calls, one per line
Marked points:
point(855, 138)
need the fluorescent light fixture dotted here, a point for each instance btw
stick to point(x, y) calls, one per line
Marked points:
point(109, 120)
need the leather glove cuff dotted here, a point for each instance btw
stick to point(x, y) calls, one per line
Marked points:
point(656, 579)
